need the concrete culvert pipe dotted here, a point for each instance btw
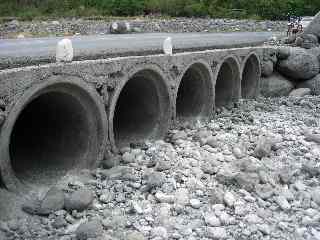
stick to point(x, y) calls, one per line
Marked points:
point(227, 88)
point(194, 99)
point(250, 77)
point(56, 127)
point(140, 110)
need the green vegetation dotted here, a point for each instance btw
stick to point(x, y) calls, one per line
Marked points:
point(263, 9)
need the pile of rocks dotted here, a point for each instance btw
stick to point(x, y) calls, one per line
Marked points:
point(65, 27)
point(286, 69)
point(295, 66)
point(251, 173)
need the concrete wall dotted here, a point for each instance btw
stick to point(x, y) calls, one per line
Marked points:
point(62, 117)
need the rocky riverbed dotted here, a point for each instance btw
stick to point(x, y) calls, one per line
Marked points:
point(250, 173)
point(65, 27)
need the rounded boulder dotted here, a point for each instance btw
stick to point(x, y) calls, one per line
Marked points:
point(275, 86)
point(300, 65)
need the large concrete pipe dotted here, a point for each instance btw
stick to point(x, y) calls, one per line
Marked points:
point(250, 80)
point(194, 98)
point(57, 126)
point(227, 88)
point(140, 109)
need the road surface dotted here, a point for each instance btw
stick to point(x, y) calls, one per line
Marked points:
point(23, 52)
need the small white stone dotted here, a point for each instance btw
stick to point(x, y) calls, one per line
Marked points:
point(253, 219)
point(106, 198)
point(240, 209)
point(163, 198)
point(249, 199)
point(300, 231)
point(283, 203)
point(20, 36)
point(264, 228)
point(137, 208)
point(315, 233)
point(114, 26)
point(218, 207)
point(64, 51)
point(229, 199)
point(195, 203)
point(216, 233)
point(181, 196)
point(226, 219)
point(159, 232)
point(167, 46)
point(128, 27)
point(212, 221)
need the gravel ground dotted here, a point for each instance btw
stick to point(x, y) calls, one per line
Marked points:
point(251, 173)
point(65, 27)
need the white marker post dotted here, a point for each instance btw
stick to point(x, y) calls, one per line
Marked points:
point(167, 46)
point(64, 51)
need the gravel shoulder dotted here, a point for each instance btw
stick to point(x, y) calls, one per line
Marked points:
point(64, 27)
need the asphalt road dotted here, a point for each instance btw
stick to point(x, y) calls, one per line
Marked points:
point(23, 52)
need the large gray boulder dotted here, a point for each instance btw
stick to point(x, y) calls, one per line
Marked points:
point(309, 41)
point(120, 27)
point(283, 52)
point(267, 68)
point(313, 84)
point(315, 52)
point(300, 65)
point(314, 26)
point(275, 86)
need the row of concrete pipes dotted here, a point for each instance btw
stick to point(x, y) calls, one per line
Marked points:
point(64, 116)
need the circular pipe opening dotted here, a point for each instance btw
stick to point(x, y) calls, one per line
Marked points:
point(250, 77)
point(53, 129)
point(227, 85)
point(195, 96)
point(50, 136)
point(142, 110)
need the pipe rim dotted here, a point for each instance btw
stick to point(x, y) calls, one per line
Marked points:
point(244, 63)
point(167, 114)
point(207, 109)
point(236, 91)
point(7, 174)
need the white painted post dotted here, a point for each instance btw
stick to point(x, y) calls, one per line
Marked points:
point(64, 51)
point(167, 46)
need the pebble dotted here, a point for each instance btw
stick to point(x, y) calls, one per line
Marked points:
point(195, 203)
point(163, 198)
point(229, 199)
point(79, 200)
point(216, 233)
point(182, 196)
point(135, 236)
point(283, 203)
point(159, 232)
point(315, 194)
point(212, 221)
point(89, 230)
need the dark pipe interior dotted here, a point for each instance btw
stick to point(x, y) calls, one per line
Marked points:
point(250, 77)
point(49, 137)
point(137, 115)
point(193, 93)
point(226, 85)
